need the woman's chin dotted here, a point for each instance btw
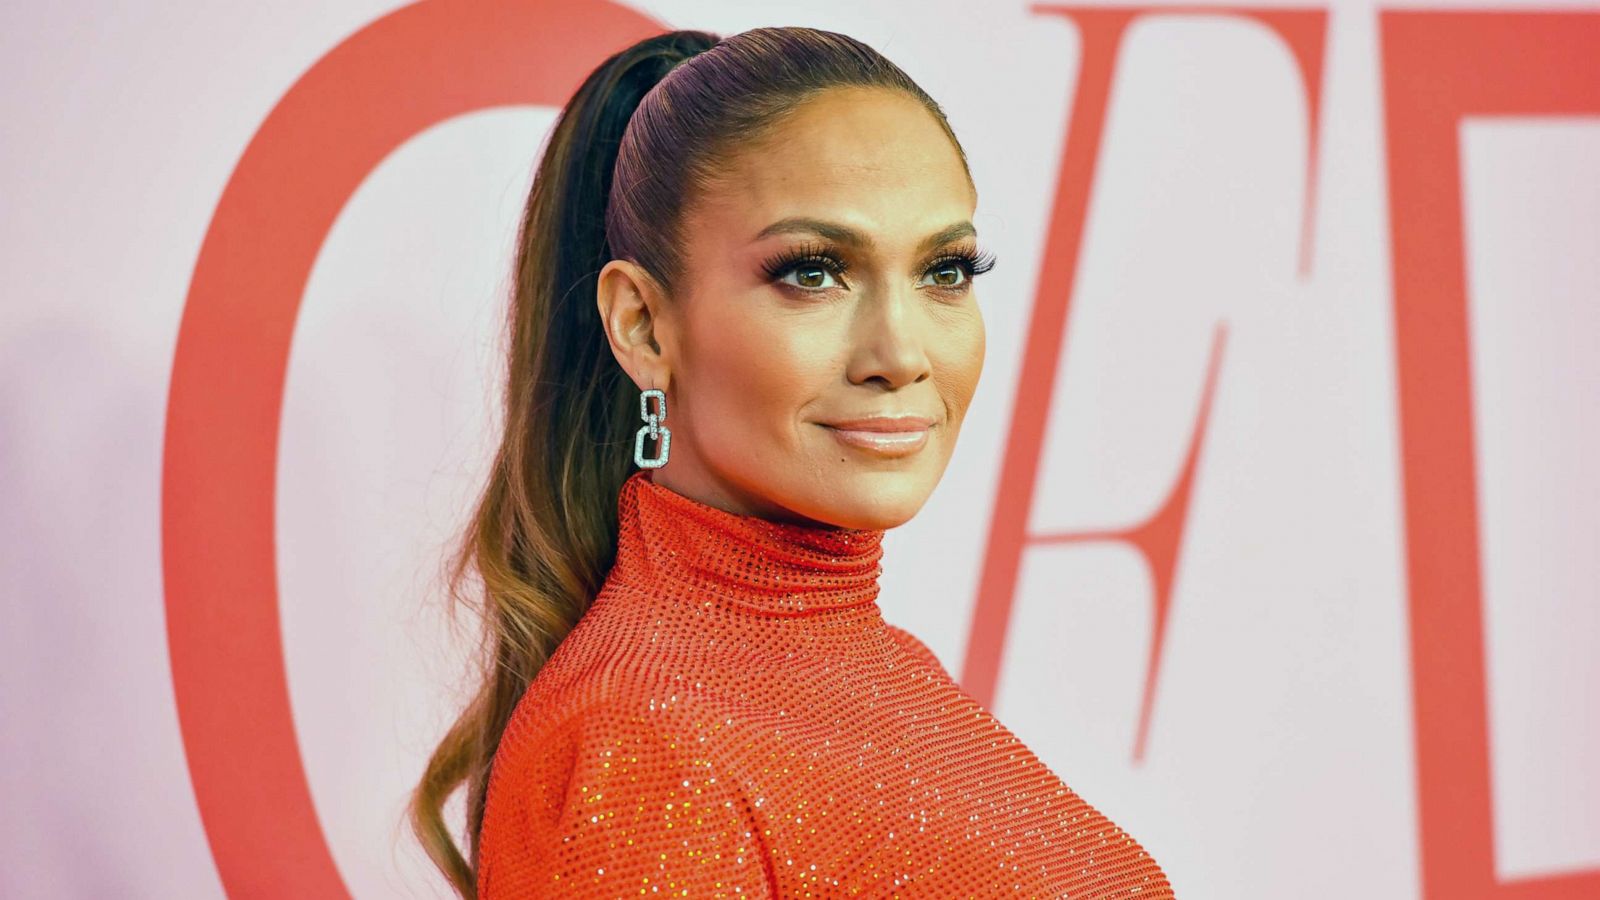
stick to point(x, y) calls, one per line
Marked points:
point(877, 498)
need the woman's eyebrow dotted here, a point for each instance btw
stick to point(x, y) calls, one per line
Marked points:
point(844, 234)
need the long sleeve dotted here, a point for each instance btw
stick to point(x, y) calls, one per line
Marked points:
point(626, 802)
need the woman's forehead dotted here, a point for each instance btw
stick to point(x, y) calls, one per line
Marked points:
point(875, 162)
point(851, 138)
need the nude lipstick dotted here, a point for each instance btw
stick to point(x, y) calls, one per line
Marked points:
point(890, 436)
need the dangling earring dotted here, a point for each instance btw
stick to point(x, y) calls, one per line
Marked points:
point(653, 428)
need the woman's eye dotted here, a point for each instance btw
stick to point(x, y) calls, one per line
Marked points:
point(948, 275)
point(809, 276)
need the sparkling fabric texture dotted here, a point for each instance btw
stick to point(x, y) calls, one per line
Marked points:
point(733, 717)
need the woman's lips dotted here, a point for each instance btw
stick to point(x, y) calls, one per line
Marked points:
point(882, 437)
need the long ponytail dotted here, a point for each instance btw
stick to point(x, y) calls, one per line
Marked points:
point(544, 533)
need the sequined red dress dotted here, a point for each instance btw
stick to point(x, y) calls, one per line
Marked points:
point(734, 718)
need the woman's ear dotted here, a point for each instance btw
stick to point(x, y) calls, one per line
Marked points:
point(630, 302)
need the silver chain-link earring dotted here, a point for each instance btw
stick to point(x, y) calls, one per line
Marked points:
point(653, 428)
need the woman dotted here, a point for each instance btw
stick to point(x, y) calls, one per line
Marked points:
point(763, 245)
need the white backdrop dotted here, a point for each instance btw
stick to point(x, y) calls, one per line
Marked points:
point(1280, 758)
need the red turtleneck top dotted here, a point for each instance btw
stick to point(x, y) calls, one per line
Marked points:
point(733, 717)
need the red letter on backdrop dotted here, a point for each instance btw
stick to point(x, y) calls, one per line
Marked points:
point(1159, 537)
point(405, 72)
point(1437, 68)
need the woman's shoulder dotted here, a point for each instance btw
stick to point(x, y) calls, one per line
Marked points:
point(618, 719)
point(620, 768)
point(588, 683)
point(594, 676)
point(914, 647)
point(595, 662)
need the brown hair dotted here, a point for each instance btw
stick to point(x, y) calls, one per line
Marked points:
point(643, 133)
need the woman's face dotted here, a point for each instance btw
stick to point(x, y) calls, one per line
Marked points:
point(827, 279)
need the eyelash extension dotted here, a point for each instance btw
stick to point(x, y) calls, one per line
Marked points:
point(778, 266)
point(973, 262)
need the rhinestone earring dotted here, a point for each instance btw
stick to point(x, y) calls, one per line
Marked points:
point(653, 428)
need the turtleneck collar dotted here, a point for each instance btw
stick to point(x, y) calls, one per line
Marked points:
point(776, 568)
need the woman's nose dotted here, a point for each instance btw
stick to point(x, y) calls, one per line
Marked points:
point(891, 334)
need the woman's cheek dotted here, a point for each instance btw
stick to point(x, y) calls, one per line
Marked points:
point(962, 365)
point(979, 353)
point(745, 384)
